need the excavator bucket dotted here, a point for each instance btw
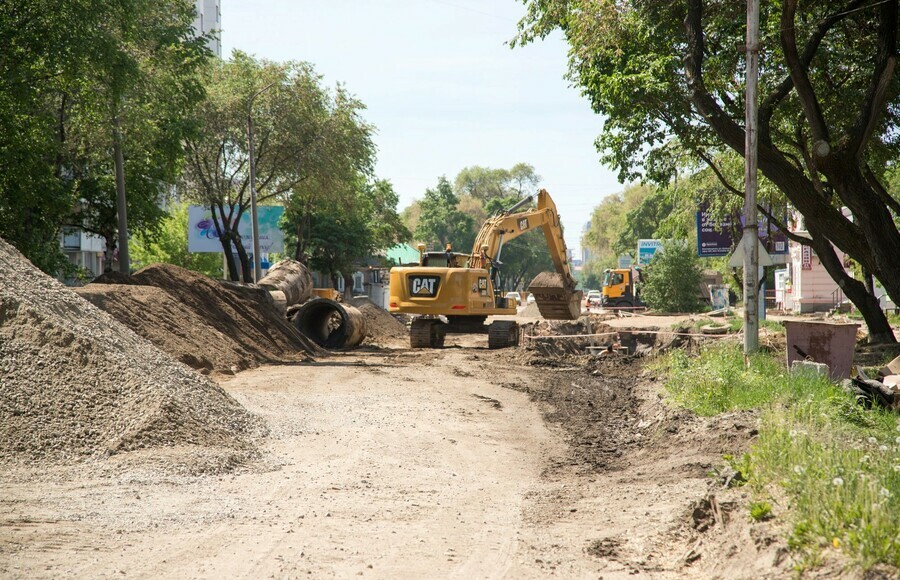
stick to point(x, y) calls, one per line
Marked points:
point(554, 298)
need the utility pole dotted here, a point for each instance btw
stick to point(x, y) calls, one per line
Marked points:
point(751, 224)
point(254, 218)
point(121, 203)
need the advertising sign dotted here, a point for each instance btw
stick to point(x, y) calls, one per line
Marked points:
point(202, 235)
point(714, 237)
point(625, 261)
point(646, 250)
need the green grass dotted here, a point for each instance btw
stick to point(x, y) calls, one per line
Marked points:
point(734, 324)
point(838, 463)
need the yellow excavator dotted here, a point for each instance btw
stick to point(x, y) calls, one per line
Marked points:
point(454, 293)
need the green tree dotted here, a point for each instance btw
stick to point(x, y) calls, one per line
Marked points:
point(608, 224)
point(441, 222)
point(70, 71)
point(170, 245)
point(485, 183)
point(664, 72)
point(672, 279)
point(310, 145)
point(343, 236)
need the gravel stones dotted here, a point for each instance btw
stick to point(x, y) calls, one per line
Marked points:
point(75, 383)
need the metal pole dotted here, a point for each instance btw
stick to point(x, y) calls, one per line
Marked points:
point(751, 226)
point(257, 269)
point(254, 219)
point(121, 202)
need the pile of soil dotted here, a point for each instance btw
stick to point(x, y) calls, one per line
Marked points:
point(381, 326)
point(75, 383)
point(176, 329)
point(208, 325)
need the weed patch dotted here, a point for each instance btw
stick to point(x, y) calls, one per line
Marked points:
point(838, 463)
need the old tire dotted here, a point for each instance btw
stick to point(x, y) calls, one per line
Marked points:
point(503, 334)
point(426, 333)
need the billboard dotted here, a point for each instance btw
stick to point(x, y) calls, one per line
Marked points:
point(202, 235)
point(646, 250)
point(714, 236)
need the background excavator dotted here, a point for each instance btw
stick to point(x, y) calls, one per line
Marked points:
point(454, 293)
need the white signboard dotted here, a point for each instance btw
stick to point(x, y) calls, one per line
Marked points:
point(202, 235)
point(646, 250)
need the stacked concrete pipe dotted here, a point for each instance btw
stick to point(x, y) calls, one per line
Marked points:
point(289, 282)
point(316, 319)
point(291, 287)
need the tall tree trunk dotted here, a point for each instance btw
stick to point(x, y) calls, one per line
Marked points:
point(348, 287)
point(879, 328)
point(246, 273)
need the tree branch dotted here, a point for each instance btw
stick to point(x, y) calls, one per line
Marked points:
point(879, 189)
point(807, 96)
point(767, 107)
point(885, 62)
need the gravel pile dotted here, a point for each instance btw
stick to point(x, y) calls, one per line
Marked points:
point(75, 383)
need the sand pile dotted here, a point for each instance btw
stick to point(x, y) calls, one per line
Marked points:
point(208, 325)
point(381, 326)
point(76, 383)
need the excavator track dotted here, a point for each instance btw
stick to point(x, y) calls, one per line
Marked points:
point(554, 299)
point(503, 334)
point(426, 333)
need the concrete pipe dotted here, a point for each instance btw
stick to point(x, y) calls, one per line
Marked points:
point(292, 279)
point(331, 324)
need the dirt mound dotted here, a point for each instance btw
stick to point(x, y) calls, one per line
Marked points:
point(381, 326)
point(210, 325)
point(76, 383)
point(530, 311)
point(154, 314)
point(112, 277)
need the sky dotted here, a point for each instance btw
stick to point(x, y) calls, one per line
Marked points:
point(442, 88)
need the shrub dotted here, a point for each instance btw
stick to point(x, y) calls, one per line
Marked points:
point(673, 279)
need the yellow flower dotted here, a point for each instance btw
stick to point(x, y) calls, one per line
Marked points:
point(836, 543)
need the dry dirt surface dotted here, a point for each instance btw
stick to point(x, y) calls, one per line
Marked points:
point(385, 463)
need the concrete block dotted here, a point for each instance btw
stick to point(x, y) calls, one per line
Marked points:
point(809, 367)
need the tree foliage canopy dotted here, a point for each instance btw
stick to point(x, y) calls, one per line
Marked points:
point(70, 72)
point(310, 143)
point(672, 279)
point(668, 77)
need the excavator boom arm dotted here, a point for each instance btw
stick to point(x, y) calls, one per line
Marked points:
point(504, 228)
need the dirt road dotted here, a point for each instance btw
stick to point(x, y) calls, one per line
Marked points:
point(387, 463)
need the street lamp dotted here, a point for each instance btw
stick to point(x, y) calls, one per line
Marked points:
point(254, 219)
